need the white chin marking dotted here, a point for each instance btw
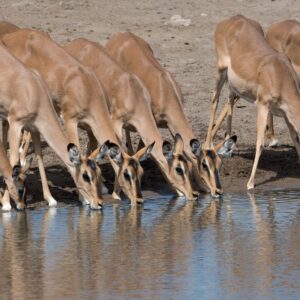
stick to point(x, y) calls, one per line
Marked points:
point(6, 207)
point(83, 200)
point(180, 194)
point(116, 196)
point(52, 202)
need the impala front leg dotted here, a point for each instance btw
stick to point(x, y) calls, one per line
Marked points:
point(261, 126)
point(14, 138)
point(270, 132)
point(294, 136)
point(38, 152)
point(221, 77)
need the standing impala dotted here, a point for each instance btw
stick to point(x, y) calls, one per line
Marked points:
point(80, 100)
point(284, 37)
point(257, 73)
point(166, 103)
point(130, 107)
point(25, 103)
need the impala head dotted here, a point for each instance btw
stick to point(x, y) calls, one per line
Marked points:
point(18, 189)
point(87, 177)
point(209, 163)
point(179, 168)
point(129, 169)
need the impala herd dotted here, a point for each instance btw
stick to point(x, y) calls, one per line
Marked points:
point(121, 88)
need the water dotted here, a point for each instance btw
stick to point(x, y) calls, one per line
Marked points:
point(241, 247)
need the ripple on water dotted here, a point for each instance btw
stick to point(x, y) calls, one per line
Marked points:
point(244, 246)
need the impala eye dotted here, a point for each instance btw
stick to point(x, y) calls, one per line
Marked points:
point(86, 177)
point(126, 176)
point(21, 192)
point(179, 171)
point(204, 166)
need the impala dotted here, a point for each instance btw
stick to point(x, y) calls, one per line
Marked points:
point(284, 37)
point(257, 73)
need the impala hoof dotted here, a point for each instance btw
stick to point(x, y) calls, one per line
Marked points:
point(274, 143)
point(52, 202)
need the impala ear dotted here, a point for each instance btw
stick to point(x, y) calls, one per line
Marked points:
point(16, 171)
point(195, 147)
point(179, 146)
point(167, 150)
point(225, 148)
point(145, 152)
point(74, 154)
point(102, 151)
point(115, 153)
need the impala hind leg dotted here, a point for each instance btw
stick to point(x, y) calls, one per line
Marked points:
point(261, 126)
point(38, 152)
point(273, 142)
point(294, 136)
point(221, 78)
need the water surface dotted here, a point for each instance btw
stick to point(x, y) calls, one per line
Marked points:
point(245, 246)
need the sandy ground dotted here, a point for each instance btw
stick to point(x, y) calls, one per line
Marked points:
point(188, 52)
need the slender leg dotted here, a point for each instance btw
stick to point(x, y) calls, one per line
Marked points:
point(38, 151)
point(227, 111)
point(261, 126)
point(117, 190)
point(26, 138)
point(231, 101)
point(221, 77)
point(219, 121)
point(6, 206)
point(270, 132)
point(5, 128)
point(14, 137)
point(294, 136)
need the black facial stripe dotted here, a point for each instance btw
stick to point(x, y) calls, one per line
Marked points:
point(181, 158)
point(211, 154)
point(217, 177)
point(92, 164)
point(133, 163)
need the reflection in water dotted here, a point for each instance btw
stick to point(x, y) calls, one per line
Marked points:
point(241, 247)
